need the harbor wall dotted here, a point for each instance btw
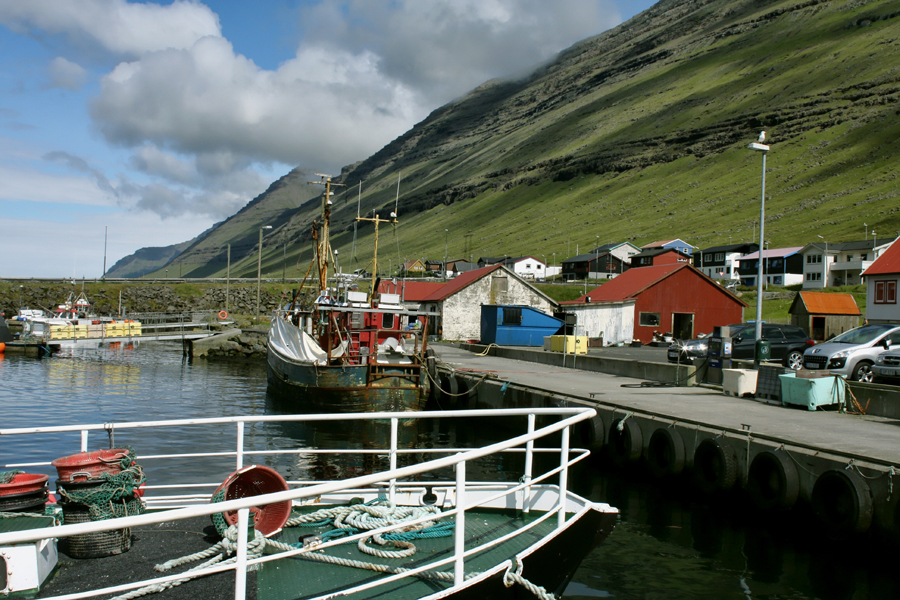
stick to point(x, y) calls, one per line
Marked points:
point(845, 493)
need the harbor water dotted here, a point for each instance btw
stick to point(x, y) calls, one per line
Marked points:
point(670, 543)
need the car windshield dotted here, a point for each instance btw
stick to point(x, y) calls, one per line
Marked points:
point(862, 335)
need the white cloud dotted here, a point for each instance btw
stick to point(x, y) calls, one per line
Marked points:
point(114, 26)
point(65, 74)
point(24, 183)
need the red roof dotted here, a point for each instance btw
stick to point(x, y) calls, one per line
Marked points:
point(634, 281)
point(886, 264)
point(410, 291)
point(823, 303)
point(658, 244)
point(457, 283)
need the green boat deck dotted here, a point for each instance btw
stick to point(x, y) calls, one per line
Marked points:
point(296, 577)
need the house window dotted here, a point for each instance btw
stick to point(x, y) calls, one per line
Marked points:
point(649, 319)
point(863, 257)
point(708, 257)
point(499, 284)
point(812, 259)
point(814, 276)
point(645, 260)
point(885, 292)
point(849, 257)
point(720, 256)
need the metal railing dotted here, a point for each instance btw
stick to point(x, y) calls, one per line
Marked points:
point(529, 485)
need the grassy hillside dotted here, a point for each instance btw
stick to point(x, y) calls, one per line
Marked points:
point(638, 134)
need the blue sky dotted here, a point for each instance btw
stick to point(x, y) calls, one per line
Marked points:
point(154, 121)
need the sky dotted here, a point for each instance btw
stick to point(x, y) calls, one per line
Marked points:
point(126, 125)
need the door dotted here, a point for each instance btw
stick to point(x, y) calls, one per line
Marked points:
point(818, 329)
point(683, 326)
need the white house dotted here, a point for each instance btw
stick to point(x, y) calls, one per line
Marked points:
point(528, 267)
point(459, 300)
point(613, 320)
point(882, 277)
point(828, 264)
point(721, 262)
point(621, 250)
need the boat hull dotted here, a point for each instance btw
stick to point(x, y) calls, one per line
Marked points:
point(348, 388)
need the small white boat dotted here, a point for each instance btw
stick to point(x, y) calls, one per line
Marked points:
point(429, 529)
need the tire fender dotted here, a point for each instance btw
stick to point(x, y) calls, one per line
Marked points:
point(772, 481)
point(462, 388)
point(592, 433)
point(842, 501)
point(715, 466)
point(448, 390)
point(665, 452)
point(624, 445)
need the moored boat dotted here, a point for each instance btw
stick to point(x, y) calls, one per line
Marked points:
point(348, 350)
point(429, 529)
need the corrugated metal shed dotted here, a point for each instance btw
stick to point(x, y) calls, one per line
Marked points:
point(823, 315)
point(516, 325)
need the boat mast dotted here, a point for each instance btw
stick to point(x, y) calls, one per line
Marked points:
point(376, 220)
point(323, 251)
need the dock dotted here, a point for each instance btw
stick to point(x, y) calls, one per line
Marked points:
point(843, 466)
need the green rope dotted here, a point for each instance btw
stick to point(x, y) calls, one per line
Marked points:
point(8, 476)
point(218, 519)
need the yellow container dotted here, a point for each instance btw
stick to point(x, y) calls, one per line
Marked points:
point(570, 344)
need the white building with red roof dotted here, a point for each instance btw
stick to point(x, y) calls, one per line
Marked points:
point(881, 279)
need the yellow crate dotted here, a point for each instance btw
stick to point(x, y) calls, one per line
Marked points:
point(570, 344)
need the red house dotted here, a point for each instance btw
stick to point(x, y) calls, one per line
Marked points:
point(674, 298)
point(658, 256)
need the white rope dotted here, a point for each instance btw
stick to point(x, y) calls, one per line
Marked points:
point(513, 574)
point(226, 547)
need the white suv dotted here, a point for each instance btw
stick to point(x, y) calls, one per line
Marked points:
point(853, 353)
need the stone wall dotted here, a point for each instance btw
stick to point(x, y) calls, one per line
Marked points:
point(142, 298)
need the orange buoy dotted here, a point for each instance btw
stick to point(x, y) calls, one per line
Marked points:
point(223, 314)
point(2, 347)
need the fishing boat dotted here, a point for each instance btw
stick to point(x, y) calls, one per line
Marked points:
point(348, 350)
point(435, 522)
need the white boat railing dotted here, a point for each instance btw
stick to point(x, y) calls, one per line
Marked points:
point(185, 505)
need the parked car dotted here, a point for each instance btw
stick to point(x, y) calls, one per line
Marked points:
point(786, 342)
point(853, 353)
point(887, 365)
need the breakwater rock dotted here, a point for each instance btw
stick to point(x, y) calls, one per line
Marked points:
point(233, 343)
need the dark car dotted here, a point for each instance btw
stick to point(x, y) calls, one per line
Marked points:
point(786, 342)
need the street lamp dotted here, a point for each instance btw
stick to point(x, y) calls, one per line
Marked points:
point(866, 225)
point(824, 263)
point(259, 268)
point(760, 147)
point(765, 270)
point(444, 266)
point(597, 256)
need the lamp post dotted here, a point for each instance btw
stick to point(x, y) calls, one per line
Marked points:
point(760, 147)
point(824, 263)
point(597, 257)
point(105, 238)
point(444, 266)
point(259, 268)
point(866, 225)
point(765, 270)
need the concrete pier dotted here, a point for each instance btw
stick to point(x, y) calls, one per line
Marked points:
point(844, 466)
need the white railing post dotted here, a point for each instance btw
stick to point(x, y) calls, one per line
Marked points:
point(240, 571)
point(393, 458)
point(529, 465)
point(459, 537)
point(240, 444)
point(84, 440)
point(563, 475)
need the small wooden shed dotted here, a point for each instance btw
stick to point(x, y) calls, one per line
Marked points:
point(823, 315)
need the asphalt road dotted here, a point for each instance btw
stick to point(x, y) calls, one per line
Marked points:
point(644, 353)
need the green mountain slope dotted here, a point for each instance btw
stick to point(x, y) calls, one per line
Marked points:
point(640, 133)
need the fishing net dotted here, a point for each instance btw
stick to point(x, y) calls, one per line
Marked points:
point(8, 476)
point(110, 495)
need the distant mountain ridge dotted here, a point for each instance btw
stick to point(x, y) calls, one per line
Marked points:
point(639, 133)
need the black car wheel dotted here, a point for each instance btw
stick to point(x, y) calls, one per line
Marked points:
point(863, 372)
point(794, 360)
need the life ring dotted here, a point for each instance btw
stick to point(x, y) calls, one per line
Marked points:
point(665, 452)
point(715, 466)
point(592, 433)
point(223, 314)
point(625, 441)
point(772, 481)
point(842, 502)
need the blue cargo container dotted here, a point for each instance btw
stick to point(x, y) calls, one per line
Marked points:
point(516, 325)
